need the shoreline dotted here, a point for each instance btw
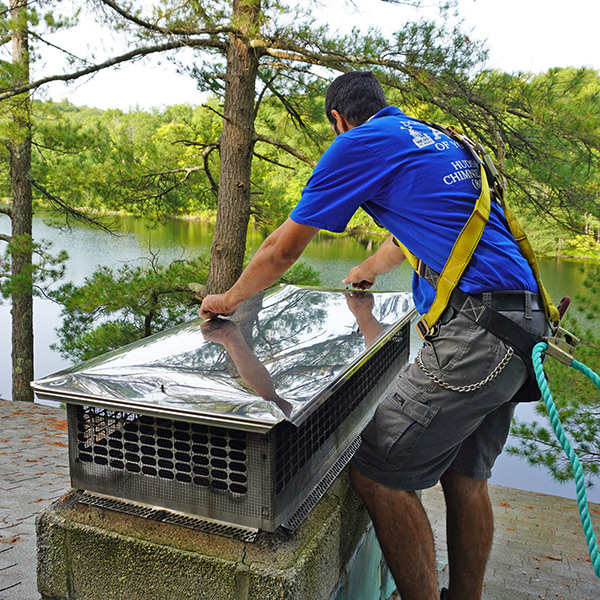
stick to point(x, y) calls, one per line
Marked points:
point(358, 230)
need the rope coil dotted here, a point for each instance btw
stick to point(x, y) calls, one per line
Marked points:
point(564, 442)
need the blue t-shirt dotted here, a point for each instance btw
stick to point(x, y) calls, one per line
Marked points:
point(421, 185)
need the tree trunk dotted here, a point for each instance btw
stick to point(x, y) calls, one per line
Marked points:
point(21, 243)
point(237, 144)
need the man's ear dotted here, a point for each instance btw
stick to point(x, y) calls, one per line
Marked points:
point(341, 124)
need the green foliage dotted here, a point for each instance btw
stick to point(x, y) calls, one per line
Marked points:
point(551, 238)
point(300, 274)
point(152, 163)
point(577, 399)
point(141, 162)
point(112, 308)
point(278, 177)
point(45, 269)
point(552, 136)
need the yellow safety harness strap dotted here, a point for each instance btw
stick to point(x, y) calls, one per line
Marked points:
point(468, 239)
point(520, 236)
point(457, 261)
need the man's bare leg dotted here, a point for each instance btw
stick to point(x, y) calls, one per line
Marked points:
point(470, 529)
point(405, 537)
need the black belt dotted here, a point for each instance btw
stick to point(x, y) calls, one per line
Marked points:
point(502, 300)
point(511, 300)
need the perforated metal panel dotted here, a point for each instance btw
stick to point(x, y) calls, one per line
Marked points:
point(188, 467)
point(173, 450)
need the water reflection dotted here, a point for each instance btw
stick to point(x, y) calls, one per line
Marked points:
point(277, 358)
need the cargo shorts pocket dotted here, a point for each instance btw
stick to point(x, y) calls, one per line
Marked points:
point(398, 423)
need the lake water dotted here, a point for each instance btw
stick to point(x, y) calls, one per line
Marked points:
point(332, 256)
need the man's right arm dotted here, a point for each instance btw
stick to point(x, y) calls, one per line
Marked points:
point(274, 257)
point(387, 257)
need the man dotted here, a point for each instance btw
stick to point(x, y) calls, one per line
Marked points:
point(448, 415)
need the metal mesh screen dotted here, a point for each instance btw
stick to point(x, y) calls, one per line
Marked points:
point(165, 516)
point(173, 450)
point(217, 472)
point(295, 446)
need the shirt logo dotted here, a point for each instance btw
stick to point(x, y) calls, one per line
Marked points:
point(464, 169)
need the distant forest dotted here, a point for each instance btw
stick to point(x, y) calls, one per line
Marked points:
point(163, 162)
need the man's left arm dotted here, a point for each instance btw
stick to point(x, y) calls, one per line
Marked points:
point(274, 257)
point(387, 257)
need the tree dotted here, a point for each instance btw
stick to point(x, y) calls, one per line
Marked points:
point(135, 161)
point(15, 26)
point(248, 44)
point(19, 148)
point(553, 147)
point(19, 272)
point(268, 55)
point(112, 309)
point(19, 22)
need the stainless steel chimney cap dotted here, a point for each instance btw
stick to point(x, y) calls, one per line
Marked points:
point(306, 339)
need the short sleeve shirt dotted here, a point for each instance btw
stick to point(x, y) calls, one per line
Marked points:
point(421, 185)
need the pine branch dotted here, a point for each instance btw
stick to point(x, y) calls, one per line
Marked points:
point(263, 91)
point(208, 107)
point(187, 170)
point(272, 161)
point(299, 155)
point(165, 30)
point(59, 48)
point(7, 10)
point(205, 158)
point(69, 211)
point(128, 56)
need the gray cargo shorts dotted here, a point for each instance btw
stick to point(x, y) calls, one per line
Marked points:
point(423, 427)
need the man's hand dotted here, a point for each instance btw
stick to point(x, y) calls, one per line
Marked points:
point(215, 305)
point(360, 277)
point(387, 257)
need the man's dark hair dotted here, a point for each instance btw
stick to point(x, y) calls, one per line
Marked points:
point(357, 96)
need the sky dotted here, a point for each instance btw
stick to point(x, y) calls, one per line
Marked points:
point(522, 35)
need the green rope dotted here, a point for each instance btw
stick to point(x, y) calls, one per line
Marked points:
point(564, 442)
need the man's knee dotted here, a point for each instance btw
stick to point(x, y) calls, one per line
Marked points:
point(458, 486)
point(374, 493)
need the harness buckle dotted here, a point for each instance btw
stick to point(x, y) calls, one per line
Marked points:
point(422, 328)
point(418, 267)
point(561, 346)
